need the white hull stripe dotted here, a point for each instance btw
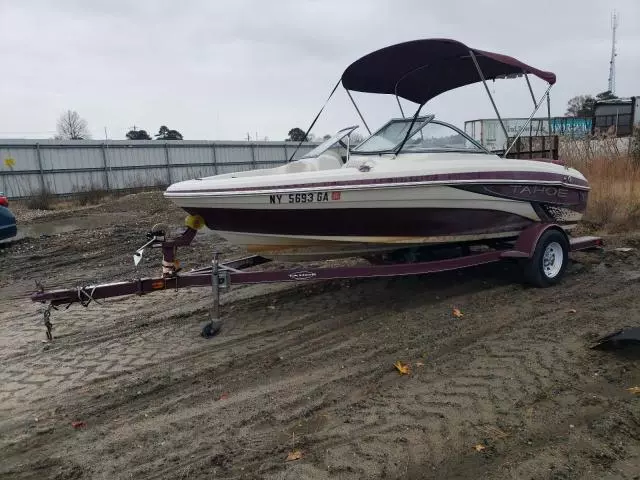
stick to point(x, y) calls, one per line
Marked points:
point(467, 177)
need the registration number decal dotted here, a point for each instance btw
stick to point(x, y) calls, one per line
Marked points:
point(305, 197)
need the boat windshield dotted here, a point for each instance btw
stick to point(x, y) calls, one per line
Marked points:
point(329, 143)
point(428, 135)
point(391, 135)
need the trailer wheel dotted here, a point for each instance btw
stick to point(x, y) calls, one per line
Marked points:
point(549, 261)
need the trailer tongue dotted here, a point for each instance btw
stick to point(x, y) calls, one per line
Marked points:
point(542, 248)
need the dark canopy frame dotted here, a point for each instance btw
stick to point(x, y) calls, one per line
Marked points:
point(420, 70)
point(423, 69)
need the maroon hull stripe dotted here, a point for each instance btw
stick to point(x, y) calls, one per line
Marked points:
point(444, 177)
point(387, 222)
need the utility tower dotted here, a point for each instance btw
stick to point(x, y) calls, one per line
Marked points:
point(612, 62)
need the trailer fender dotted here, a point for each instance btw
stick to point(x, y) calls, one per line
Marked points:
point(526, 244)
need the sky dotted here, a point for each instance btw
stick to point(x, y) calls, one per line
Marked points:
point(222, 70)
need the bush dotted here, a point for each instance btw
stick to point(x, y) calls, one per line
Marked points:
point(635, 145)
point(40, 200)
point(90, 196)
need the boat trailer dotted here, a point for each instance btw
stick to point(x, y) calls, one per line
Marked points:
point(221, 275)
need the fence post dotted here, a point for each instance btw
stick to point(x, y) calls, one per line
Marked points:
point(105, 166)
point(253, 156)
point(166, 158)
point(215, 159)
point(42, 186)
point(286, 155)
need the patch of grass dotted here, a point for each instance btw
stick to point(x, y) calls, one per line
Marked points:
point(614, 199)
point(41, 199)
point(635, 145)
point(90, 196)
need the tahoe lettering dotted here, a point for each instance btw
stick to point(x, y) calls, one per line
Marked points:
point(545, 190)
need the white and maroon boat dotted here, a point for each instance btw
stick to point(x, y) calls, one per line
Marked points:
point(416, 181)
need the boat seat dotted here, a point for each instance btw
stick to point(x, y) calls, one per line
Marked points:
point(328, 160)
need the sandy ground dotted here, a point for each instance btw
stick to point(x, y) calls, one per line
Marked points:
point(310, 368)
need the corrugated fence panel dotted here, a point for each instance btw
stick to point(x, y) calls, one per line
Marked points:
point(23, 158)
point(265, 153)
point(71, 182)
point(137, 178)
point(189, 155)
point(179, 174)
point(124, 156)
point(71, 158)
point(71, 166)
point(233, 154)
point(20, 185)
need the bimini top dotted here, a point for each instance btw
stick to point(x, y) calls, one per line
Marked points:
point(422, 69)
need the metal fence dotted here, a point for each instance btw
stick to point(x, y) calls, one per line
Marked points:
point(62, 167)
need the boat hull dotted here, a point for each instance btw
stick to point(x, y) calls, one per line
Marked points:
point(380, 202)
point(339, 223)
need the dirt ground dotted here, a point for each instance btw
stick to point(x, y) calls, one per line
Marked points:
point(510, 390)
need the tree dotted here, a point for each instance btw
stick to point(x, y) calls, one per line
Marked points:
point(296, 135)
point(71, 126)
point(134, 134)
point(581, 106)
point(584, 105)
point(606, 96)
point(167, 134)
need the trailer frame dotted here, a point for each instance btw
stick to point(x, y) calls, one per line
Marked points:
point(222, 275)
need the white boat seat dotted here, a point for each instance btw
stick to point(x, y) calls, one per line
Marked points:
point(328, 160)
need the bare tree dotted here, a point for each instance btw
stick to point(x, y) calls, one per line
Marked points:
point(72, 126)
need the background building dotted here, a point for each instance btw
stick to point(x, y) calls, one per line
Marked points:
point(618, 115)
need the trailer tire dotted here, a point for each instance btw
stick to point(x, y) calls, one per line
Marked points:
point(549, 261)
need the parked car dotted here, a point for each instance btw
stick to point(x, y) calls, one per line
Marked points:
point(8, 226)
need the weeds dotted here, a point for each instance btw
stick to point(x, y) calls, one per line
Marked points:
point(635, 145)
point(91, 195)
point(41, 199)
point(614, 199)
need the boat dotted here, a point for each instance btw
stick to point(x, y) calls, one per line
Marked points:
point(416, 181)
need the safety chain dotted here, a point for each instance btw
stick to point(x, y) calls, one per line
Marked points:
point(47, 322)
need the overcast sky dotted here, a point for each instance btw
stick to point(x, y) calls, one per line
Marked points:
point(218, 69)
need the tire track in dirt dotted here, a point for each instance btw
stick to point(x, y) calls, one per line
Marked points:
point(303, 322)
point(283, 370)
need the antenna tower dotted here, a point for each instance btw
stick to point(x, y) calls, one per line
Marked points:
point(612, 62)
